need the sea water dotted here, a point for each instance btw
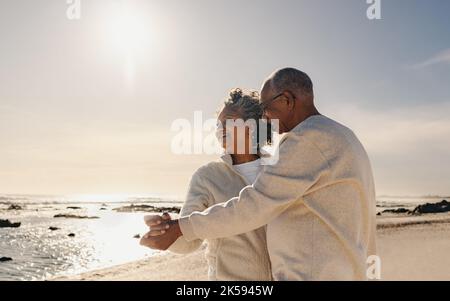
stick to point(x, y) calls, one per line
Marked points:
point(39, 253)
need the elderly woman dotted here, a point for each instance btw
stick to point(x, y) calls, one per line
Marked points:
point(245, 256)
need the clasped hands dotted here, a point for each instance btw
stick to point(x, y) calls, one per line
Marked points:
point(163, 232)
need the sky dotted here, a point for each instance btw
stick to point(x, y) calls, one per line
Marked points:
point(86, 105)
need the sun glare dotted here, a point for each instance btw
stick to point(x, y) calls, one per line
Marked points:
point(128, 31)
point(128, 36)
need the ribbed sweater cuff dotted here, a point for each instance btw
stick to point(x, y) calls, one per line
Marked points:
point(187, 229)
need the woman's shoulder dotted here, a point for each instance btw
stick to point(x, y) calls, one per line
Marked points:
point(211, 168)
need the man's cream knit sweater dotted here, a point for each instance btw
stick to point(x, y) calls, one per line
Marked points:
point(237, 257)
point(318, 202)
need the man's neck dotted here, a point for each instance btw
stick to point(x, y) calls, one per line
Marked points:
point(309, 113)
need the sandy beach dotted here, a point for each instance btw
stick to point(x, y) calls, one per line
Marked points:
point(164, 267)
point(415, 248)
point(411, 248)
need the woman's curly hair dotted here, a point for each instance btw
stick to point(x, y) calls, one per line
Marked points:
point(246, 104)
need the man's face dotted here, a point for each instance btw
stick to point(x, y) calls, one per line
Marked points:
point(275, 106)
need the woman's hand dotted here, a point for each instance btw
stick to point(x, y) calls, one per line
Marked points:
point(164, 232)
point(158, 224)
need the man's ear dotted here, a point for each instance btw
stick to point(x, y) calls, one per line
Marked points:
point(290, 99)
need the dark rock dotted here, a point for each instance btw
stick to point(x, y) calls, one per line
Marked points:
point(71, 235)
point(74, 208)
point(53, 228)
point(137, 236)
point(5, 259)
point(5, 223)
point(168, 209)
point(15, 207)
point(443, 206)
point(147, 208)
point(397, 211)
point(379, 213)
point(74, 216)
point(103, 208)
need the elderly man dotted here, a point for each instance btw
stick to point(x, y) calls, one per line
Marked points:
point(318, 200)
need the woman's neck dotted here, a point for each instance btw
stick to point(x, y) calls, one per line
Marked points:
point(244, 158)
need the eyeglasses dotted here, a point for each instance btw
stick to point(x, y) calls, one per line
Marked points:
point(266, 104)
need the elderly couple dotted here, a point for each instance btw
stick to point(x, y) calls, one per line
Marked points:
point(309, 216)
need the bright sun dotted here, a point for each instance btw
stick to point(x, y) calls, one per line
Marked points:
point(128, 37)
point(128, 31)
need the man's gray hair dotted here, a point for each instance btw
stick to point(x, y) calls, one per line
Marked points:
point(293, 80)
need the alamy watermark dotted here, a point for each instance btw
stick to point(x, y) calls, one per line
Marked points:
point(374, 10)
point(234, 136)
point(73, 11)
point(373, 271)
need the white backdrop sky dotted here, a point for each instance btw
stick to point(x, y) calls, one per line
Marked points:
point(86, 106)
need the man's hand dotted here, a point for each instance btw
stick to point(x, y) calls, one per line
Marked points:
point(165, 234)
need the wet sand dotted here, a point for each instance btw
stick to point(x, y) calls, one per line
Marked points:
point(411, 248)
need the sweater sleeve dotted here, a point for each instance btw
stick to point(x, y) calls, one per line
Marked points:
point(197, 199)
point(300, 166)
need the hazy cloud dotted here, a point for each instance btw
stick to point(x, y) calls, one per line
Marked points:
point(442, 57)
point(408, 147)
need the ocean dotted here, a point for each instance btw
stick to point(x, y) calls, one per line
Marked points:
point(78, 245)
point(38, 253)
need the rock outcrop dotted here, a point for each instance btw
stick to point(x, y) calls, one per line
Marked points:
point(74, 216)
point(440, 207)
point(147, 208)
point(5, 259)
point(5, 223)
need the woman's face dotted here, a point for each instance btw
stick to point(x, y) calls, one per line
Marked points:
point(235, 138)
